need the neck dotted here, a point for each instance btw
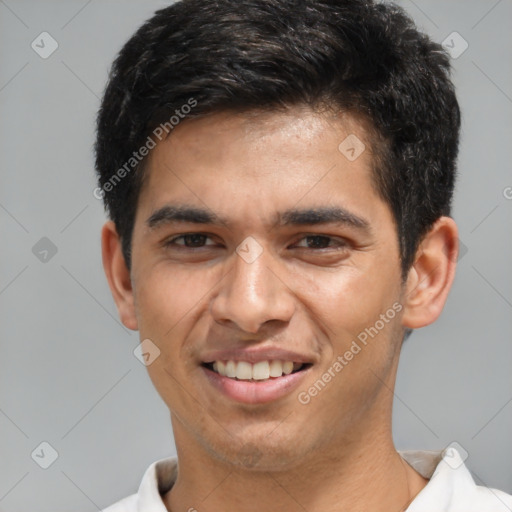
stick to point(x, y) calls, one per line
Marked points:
point(348, 474)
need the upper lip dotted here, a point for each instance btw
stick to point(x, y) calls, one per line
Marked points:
point(255, 355)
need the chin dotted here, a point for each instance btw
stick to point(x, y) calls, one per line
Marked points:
point(254, 456)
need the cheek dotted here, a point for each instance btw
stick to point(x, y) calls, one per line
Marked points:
point(167, 295)
point(168, 302)
point(349, 300)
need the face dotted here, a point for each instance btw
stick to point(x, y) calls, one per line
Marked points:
point(260, 249)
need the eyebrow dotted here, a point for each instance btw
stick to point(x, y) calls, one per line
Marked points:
point(170, 214)
point(324, 215)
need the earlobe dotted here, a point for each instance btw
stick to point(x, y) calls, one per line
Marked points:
point(118, 275)
point(431, 275)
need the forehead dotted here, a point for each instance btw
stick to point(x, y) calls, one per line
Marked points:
point(269, 159)
point(230, 138)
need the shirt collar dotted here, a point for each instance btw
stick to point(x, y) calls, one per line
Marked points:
point(448, 480)
point(157, 480)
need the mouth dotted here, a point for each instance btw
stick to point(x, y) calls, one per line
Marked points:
point(261, 371)
point(255, 383)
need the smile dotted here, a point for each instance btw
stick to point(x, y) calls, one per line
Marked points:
point(260, 371)
point(255, 383)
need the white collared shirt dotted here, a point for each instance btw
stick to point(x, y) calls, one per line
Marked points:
point(450, 488)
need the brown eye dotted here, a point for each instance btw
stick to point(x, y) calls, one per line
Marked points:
point(195, 240)
point(190, 240)
point(320, 242)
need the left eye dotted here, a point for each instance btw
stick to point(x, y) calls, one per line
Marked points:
point(320, 242)
point(191, 240)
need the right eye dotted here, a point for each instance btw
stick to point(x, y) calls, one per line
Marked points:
point(189, 241)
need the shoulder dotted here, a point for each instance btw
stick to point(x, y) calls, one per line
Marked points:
point(128, 504)
point(478, 498)
point(157, 480)
point(451, 487)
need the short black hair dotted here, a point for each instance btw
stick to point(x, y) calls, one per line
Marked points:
point(199, 57)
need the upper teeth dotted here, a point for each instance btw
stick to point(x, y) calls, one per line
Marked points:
point(257, 371)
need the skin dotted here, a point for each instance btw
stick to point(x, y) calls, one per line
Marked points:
point(336, 452)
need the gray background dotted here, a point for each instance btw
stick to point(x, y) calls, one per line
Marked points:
point(68, 375)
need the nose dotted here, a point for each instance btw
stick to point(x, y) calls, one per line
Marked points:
point(252, 295)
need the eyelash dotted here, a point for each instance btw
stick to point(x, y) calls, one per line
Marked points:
point(340, 243)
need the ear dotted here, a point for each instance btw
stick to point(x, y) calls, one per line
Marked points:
point(431, 276)
point(118, 275)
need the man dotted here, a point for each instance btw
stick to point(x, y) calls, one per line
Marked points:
point(278, 176)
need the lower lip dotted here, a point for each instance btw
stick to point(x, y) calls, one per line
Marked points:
point(255, 392)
